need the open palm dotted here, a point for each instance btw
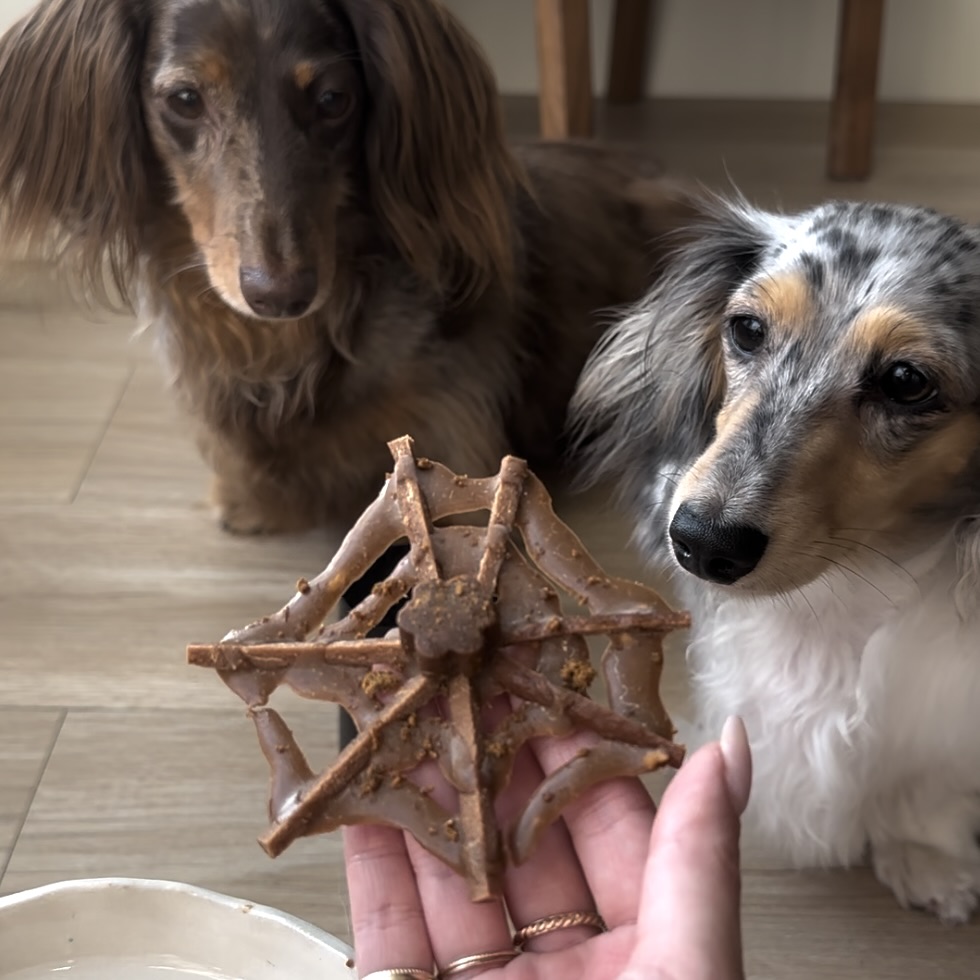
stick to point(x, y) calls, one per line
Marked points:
point(668, 888)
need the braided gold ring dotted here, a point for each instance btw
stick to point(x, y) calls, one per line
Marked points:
point(552, 923)
point(401, 973)
point(496, 958)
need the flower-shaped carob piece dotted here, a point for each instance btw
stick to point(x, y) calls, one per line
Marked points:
point(482, 619)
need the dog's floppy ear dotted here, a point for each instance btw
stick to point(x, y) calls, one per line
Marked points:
point(967, 592)
point(651, 390)
point(72, 141)
point(442, 178)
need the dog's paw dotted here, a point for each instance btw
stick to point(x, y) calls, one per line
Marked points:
point(246, 519)
point(247, 515)
point(924, 877)
point(243, 520)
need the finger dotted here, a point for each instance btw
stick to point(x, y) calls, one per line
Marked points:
point(457, 925)
point(551, 881)
point(692, 878)
point(609, 826)
point(386, 910)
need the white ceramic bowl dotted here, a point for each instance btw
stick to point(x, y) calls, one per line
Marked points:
point(133, 929)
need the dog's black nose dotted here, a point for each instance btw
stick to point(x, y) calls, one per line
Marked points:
point(714, 550)
point(287, 295)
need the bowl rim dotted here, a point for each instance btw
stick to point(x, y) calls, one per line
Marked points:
point(87, 885)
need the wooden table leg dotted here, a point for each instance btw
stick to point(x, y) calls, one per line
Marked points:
point(628, 52)
point(852, 117)
point(564, 68)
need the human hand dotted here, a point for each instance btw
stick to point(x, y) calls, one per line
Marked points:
point(668, 889)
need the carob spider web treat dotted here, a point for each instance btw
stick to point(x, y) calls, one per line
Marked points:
point(482, 619)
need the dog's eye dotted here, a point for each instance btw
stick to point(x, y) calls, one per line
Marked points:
point(186, 102)
point(333, 106)
point(748, 333)
point(905, 384)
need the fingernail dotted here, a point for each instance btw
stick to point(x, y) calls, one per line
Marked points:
point(738, 762)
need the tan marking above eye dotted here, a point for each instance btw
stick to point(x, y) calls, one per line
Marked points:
point(889, 334)
point(213, 70)
point(784, 301)
point(304, 74)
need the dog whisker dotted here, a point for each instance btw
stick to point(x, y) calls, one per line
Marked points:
point(780, 598)
point(809, 604)
point(207, 291)
point(852, 571)
point(785, 598)
point(853, 542)
point(180, 270)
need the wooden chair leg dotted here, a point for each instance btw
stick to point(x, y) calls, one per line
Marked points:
point(852, 117)
point(564, 68)
point(628, 54)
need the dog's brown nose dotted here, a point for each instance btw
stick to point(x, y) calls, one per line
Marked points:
point(285, 295)
point(715, 550)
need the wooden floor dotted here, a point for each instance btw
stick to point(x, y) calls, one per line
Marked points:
point(116, 759)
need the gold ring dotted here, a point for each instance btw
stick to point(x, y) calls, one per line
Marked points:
point(401, 973)
point(552, 923)
point(497, 958)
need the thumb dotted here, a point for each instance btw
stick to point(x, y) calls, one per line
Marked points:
point(688, 925)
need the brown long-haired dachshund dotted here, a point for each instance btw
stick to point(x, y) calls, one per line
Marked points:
point(313, 205)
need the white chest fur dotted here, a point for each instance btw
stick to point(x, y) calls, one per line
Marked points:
point(852, 689)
